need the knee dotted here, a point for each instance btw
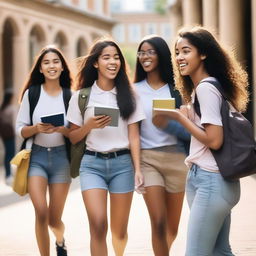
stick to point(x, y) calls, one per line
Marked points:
point(159, 228)
point(99, 230)
point(54, 223)
point(119, 235)
point(42, 215)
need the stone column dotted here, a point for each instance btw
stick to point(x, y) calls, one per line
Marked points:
point(210, 14)
point(253, 20)
point(21, 61)
point(231, 25)
point(191, 12)
point(175, 16)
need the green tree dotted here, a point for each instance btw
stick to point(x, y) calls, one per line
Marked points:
point(160, 6)
point(130, 57)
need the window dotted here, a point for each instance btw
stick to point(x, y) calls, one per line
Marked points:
point(134, 33)
point(118, 33)
point(166, 31)
point(151, 28)
point(98, 6)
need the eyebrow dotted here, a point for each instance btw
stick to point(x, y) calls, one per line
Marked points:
point(53, 59)
point(107, 54)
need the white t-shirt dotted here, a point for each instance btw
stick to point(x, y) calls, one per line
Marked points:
point(109, 138)
point(46, 105)
point(210, 104)
point(151, 136)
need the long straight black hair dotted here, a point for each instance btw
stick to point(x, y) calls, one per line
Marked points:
point(164, 59)
point(36, 78)
point(88, 74)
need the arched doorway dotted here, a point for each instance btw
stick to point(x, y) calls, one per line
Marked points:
point(9, 32)
point(36, 42)
point(81, 48)
point(61, 42)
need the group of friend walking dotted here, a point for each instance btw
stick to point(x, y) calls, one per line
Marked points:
point(145, 152)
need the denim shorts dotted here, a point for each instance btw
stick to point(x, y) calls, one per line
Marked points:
point(113, 174)
point(51, 163)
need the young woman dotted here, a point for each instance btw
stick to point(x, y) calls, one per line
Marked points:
point(164, 183)
point(200, 60)
point(112, 154)
point(47, 91)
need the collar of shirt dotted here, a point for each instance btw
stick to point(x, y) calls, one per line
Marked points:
point(97, 90)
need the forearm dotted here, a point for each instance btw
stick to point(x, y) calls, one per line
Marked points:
point(211, 137)
point(176, 129)
point(77, 133)
point(134, 140)
point(29, 131)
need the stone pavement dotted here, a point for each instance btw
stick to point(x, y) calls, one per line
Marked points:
point(17, 225)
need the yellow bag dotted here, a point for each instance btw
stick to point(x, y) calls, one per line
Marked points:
point(21, 160)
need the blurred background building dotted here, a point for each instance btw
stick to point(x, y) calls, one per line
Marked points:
point(28, 25)
point(234, 23)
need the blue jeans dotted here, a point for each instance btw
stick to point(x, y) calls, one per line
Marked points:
point(210, 199)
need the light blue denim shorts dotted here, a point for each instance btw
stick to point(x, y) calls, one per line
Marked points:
point(51, 163)
point(114, 174)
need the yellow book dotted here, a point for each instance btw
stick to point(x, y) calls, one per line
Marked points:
point(164, 104)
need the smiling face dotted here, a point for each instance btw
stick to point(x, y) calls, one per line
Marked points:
point(148, 57)
point(51, 66)
point(190, 62)
point(108, 63)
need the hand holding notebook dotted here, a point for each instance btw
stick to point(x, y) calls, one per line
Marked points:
point(56, 119)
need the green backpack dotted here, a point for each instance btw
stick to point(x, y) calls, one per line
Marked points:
point(78, 149)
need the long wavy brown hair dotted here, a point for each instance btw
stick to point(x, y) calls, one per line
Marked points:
point(219, 63)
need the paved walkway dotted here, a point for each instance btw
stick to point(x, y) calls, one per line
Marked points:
point(17, 225)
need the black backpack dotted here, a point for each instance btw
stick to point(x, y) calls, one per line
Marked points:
point(33, 97)
point(237, 156)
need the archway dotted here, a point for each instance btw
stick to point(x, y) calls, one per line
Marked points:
point(36, 42)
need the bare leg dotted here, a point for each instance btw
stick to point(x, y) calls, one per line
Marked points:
point(37, 187)
point(119, 215)
point(95, 201)
point(174, 204)
point(156, 204)
point(58, 194)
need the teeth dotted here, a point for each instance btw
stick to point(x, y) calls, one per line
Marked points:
point(183, 65)
point(112, 69)
point(146, 63)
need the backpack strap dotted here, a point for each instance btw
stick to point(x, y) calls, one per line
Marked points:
point(83, 99)
point(175, 94)
point(66, 97)
point(34, 92)
point(220, 89)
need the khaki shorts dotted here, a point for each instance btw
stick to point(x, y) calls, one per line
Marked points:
point(166, 169)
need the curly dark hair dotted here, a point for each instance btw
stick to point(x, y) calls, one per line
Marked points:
point(218, 63)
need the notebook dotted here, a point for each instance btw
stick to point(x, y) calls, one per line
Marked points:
point(112, 112)
point(56, 119)
point(164, 104)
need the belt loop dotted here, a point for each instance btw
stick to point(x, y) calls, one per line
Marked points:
point(115, 153)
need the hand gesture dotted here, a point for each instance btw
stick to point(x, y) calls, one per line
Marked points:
point(99, 121)
point(45, 128)
point(139, 183)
